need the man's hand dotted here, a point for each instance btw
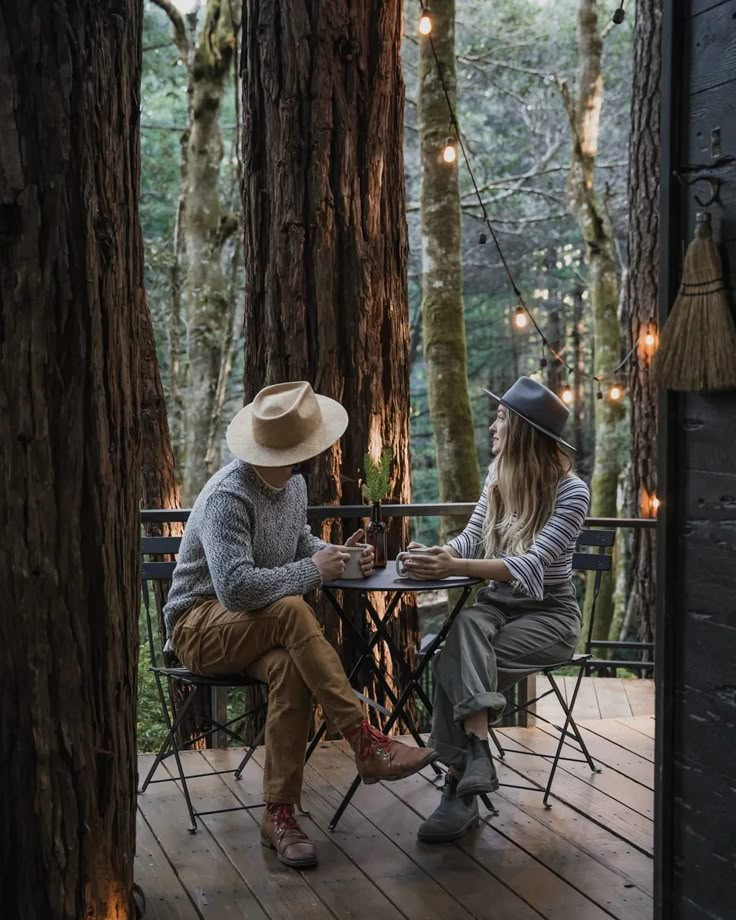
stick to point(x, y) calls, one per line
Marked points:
point(435, 563)
point(331, 562)
point(368, 557)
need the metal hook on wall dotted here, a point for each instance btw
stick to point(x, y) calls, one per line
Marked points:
point(711, 174)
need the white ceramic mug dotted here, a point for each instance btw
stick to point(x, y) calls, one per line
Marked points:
point(352, 566)
point(401, 570)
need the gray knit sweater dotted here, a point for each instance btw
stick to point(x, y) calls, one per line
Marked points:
point(245, 543)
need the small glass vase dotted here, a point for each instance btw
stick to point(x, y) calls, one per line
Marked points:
point(376, 536)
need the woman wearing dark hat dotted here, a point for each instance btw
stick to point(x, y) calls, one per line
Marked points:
point(521, 538)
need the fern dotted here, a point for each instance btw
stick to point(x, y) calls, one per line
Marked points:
point(377, 475)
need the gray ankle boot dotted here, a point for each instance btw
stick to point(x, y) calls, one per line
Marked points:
point(480, 773)
point(453, 816)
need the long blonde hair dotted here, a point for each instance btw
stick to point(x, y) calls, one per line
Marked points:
point(522, 489)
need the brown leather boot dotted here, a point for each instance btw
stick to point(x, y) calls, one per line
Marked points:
point(281, 832)
point(379, 757)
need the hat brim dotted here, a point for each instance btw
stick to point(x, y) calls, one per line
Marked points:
point(550, 434)
point(242, 444)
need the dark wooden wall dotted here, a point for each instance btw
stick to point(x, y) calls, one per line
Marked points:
point(696, 654)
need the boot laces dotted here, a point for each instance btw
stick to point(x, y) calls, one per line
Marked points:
point(284, 818)
point(372, 741)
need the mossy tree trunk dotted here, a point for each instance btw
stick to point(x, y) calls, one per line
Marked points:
point(71, 287)
point(443, 321)
point(584, 110)
point(204, 226)
point(326, 243)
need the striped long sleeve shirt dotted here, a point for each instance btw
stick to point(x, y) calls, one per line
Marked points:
point(548, 561)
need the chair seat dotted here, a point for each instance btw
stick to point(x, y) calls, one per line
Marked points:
point(225, 680)
point(576, 659)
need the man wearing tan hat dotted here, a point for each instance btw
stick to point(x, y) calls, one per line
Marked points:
point(236, 605)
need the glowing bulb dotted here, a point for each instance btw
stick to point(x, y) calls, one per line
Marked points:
point(655, 502)
point(449, 154)
point(425, 23)
point(615, 393)
point(567, 396)
point(649, 340)
point(520, 319)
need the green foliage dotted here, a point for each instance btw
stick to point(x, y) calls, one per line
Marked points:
point(377, 475)
point(150, 727)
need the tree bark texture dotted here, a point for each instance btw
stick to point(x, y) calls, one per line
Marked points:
point(204, 225)
point(641, 295)
point(443, 320)
point(584, 108)
point(325, 237)
point(71, 289)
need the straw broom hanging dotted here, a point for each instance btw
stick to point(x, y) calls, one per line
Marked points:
point(697, 347)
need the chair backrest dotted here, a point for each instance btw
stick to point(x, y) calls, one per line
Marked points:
point(598, 562)
point(156, 571)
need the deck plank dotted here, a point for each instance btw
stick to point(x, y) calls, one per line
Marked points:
point(620, 820)
point(585, 857)
point(643, 724)
point(404, 882)
point(599, 883)
point(613, 702)
point(623, 735)
point(166, 897)
point(463, 878)
point(586, 702)
point(609, 755)
point(640, 694)
point(209, 878)
point(628, 793)
point(337, 882)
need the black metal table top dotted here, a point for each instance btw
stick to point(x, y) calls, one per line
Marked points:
point(388, 580)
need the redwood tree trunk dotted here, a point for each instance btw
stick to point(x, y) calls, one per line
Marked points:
point(71, 285)
point(443, 319)
point(325, 232)
point(641, 296)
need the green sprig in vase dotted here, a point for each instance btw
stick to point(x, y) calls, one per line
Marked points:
point(375, 488)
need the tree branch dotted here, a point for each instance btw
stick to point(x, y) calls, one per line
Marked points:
point(181, 39)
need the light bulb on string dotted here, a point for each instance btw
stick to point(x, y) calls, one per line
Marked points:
point(425, 23)
point(449, 154)
point(615, 393)
point(520, 318)
point(649, 339)
point(655, 503)
point(567, 395)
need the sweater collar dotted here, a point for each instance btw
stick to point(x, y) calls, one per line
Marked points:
point(254, 479)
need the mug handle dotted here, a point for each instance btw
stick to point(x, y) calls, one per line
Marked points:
point(401, 571)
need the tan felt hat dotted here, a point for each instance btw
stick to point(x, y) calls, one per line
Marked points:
point(286, 423)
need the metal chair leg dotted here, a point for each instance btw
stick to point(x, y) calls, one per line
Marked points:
point(250, 752)
point(499, 748)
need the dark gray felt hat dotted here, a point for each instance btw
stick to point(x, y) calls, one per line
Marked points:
point(537, 405)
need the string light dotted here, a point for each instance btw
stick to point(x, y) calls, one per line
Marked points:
point(655, 503)
point(523, 315)
point(567, 395)
point(649, 340)
point(615, 393)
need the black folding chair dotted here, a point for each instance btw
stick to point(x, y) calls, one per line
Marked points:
point(167, 672)
point(597, 562)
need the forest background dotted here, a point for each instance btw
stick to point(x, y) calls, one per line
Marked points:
point(520, 89)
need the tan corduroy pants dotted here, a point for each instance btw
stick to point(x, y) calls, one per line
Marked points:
point(283, 646)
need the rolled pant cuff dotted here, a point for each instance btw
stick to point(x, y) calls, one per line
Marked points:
point(281, 797)
point(493, 701)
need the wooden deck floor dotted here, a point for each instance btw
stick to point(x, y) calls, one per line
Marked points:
point(588, 857)
point(602, 698)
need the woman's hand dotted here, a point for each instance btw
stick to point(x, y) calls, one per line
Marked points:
point(435, 563)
